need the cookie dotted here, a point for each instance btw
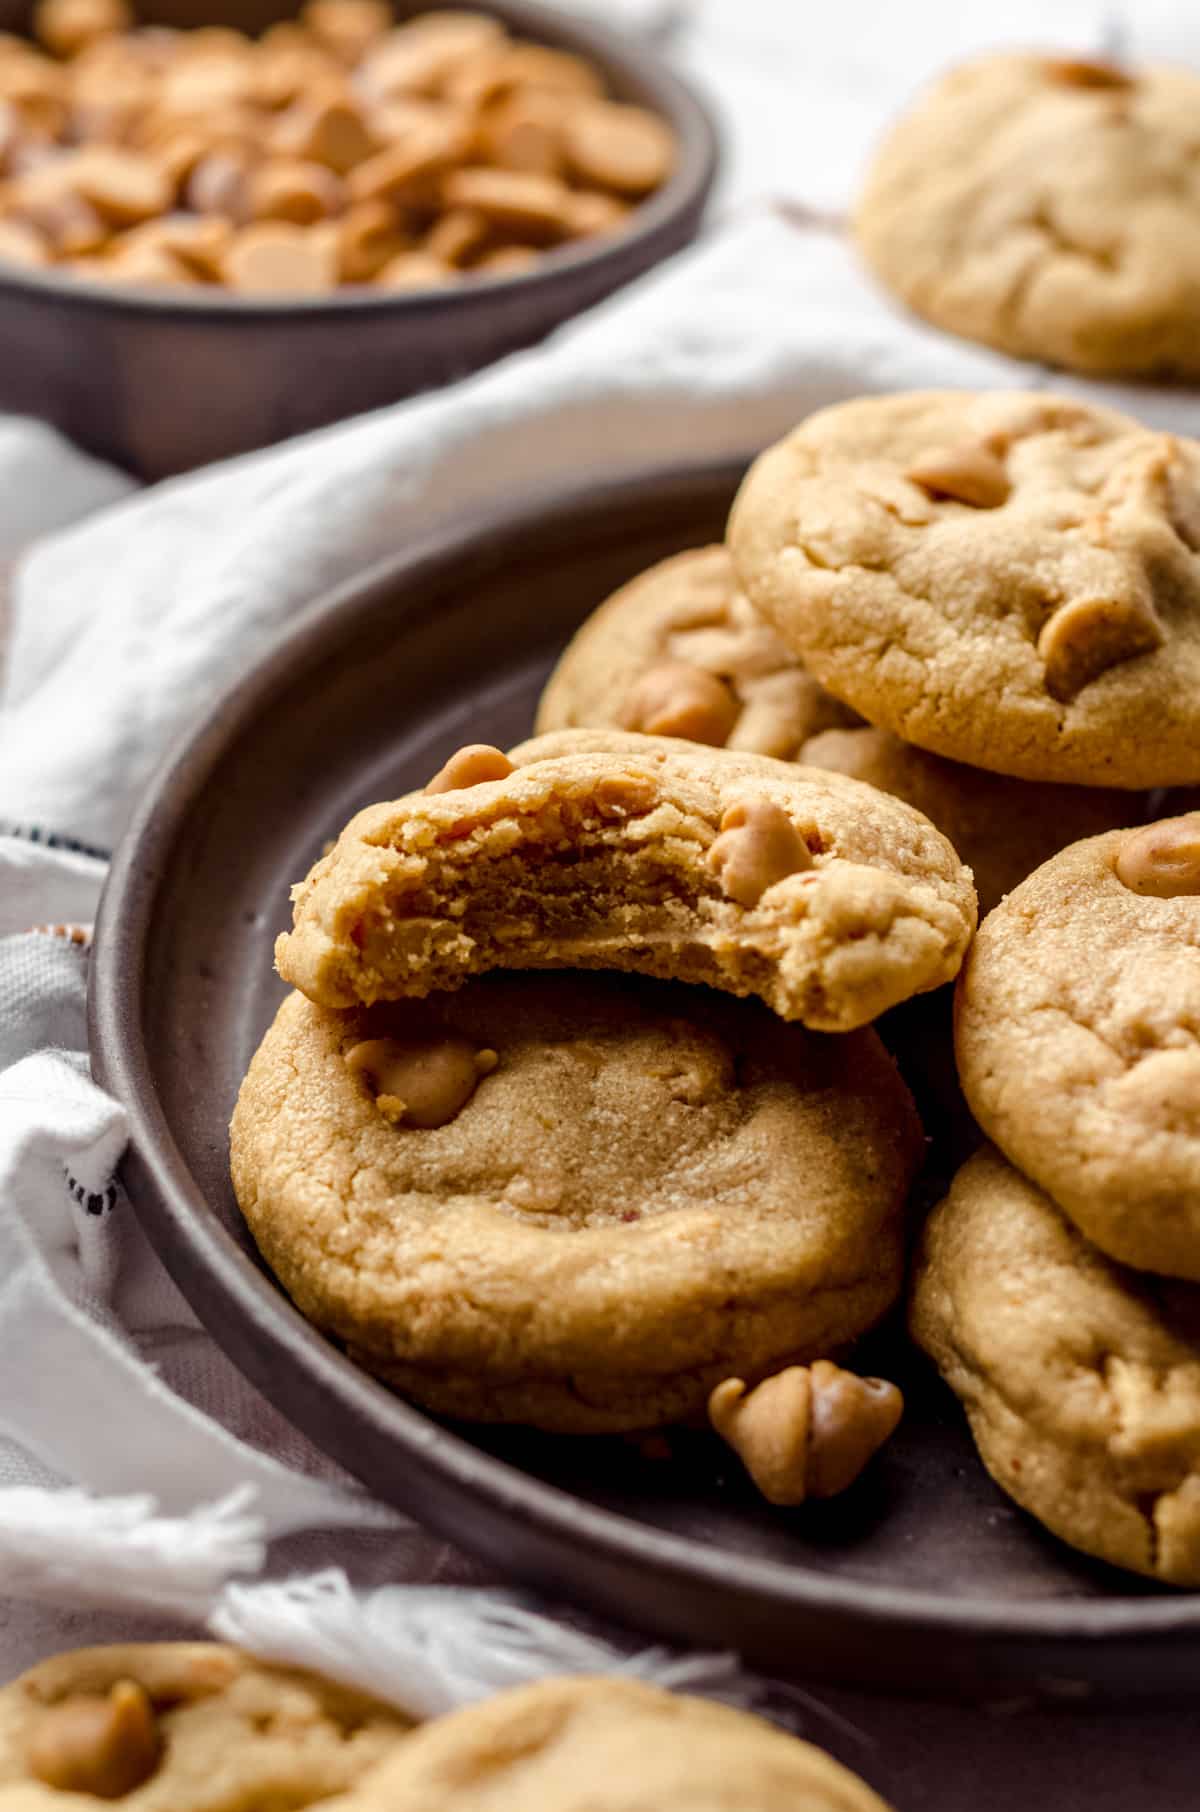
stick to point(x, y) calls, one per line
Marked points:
point(1008, 580)
point(1049, 207)
point(575, 1201)
point(1078, 1039)
point(1003, 829)
point(597, 849)
point(183, 1727)
point(609, 1745)
point(1080, 1379)
point(679, 652)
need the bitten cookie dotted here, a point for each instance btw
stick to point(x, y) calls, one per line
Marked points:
point(183, 1727)
point(1078, 1039)
point(575, 1201)
point(596, 849)
point(1080, 1379)
point(608, 1745)
point(1048, 206)
point(1008, 580)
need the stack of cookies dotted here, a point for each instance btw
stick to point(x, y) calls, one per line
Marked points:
point(198, 1727)
point(549, 1132)
point(514, 1141)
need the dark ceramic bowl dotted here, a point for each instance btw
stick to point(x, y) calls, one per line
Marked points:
point(922, 1576)
point(161, 382)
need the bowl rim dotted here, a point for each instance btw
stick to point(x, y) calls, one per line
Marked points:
point(177, 1216)
point(687, 187)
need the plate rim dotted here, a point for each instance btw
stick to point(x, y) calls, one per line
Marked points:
point(176, 1216)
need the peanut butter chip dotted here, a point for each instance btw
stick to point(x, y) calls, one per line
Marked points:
point(1163, 859)
point(621, 148)
point(1087, 72)
point(423, 1083)
point(969, 473)
point(67, 27)
point(808, 1431)
point(471, 766)
point(758, 846)
point(106, 1747)
point(531, 207)
point(1089, 635)
point(22, 244)
point(677, 699)
point(278, 260)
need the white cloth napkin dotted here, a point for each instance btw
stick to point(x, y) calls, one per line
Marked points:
point(138, 1471)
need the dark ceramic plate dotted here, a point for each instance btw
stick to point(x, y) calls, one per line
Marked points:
point(164, 380)
point(923, 1577)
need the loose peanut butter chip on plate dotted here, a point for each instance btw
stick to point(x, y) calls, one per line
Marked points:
point(808, 1431)
point(424, 1082)
point(102, 1746)
point(279, 260)
point(471, 766)
point(616, 147)
point(967, 474)
point(758, 846)
point(1089, 635)
point(1163, 859)
point(1087, 72)
point(677, 699)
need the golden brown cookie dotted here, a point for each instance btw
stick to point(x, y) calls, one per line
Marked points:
point(680, 652)
point(1008, 580)
point(1080, 1379)
point(1050, 207)
point(608, 1745)
point(611, 1195)
point(607, 850)
point(183, 1727)
point(1078, 1038)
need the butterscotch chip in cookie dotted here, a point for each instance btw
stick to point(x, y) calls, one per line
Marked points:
point(528, 206)
point(601, 1165)
point(1080, 1379)
point(1053, 636)
point(1162, 860)
point(970, 473)
point(615, 147)
point(808, 1431)
point(678, 699)
point(473, 765)
point(594, 853)
point(188, 1726)
point(1078, 1039)
point(1046, 206)
point(275, 259)
point(758, 846)
point(609, 1745)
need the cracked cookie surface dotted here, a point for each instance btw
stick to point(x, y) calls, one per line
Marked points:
point(608, 1745)
point(1078, 1044)
point(651, 1187)
point(595, 852)
point(220, 1732)
point(1080, 1379)
point(1049, 208)
point(1047, 628)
